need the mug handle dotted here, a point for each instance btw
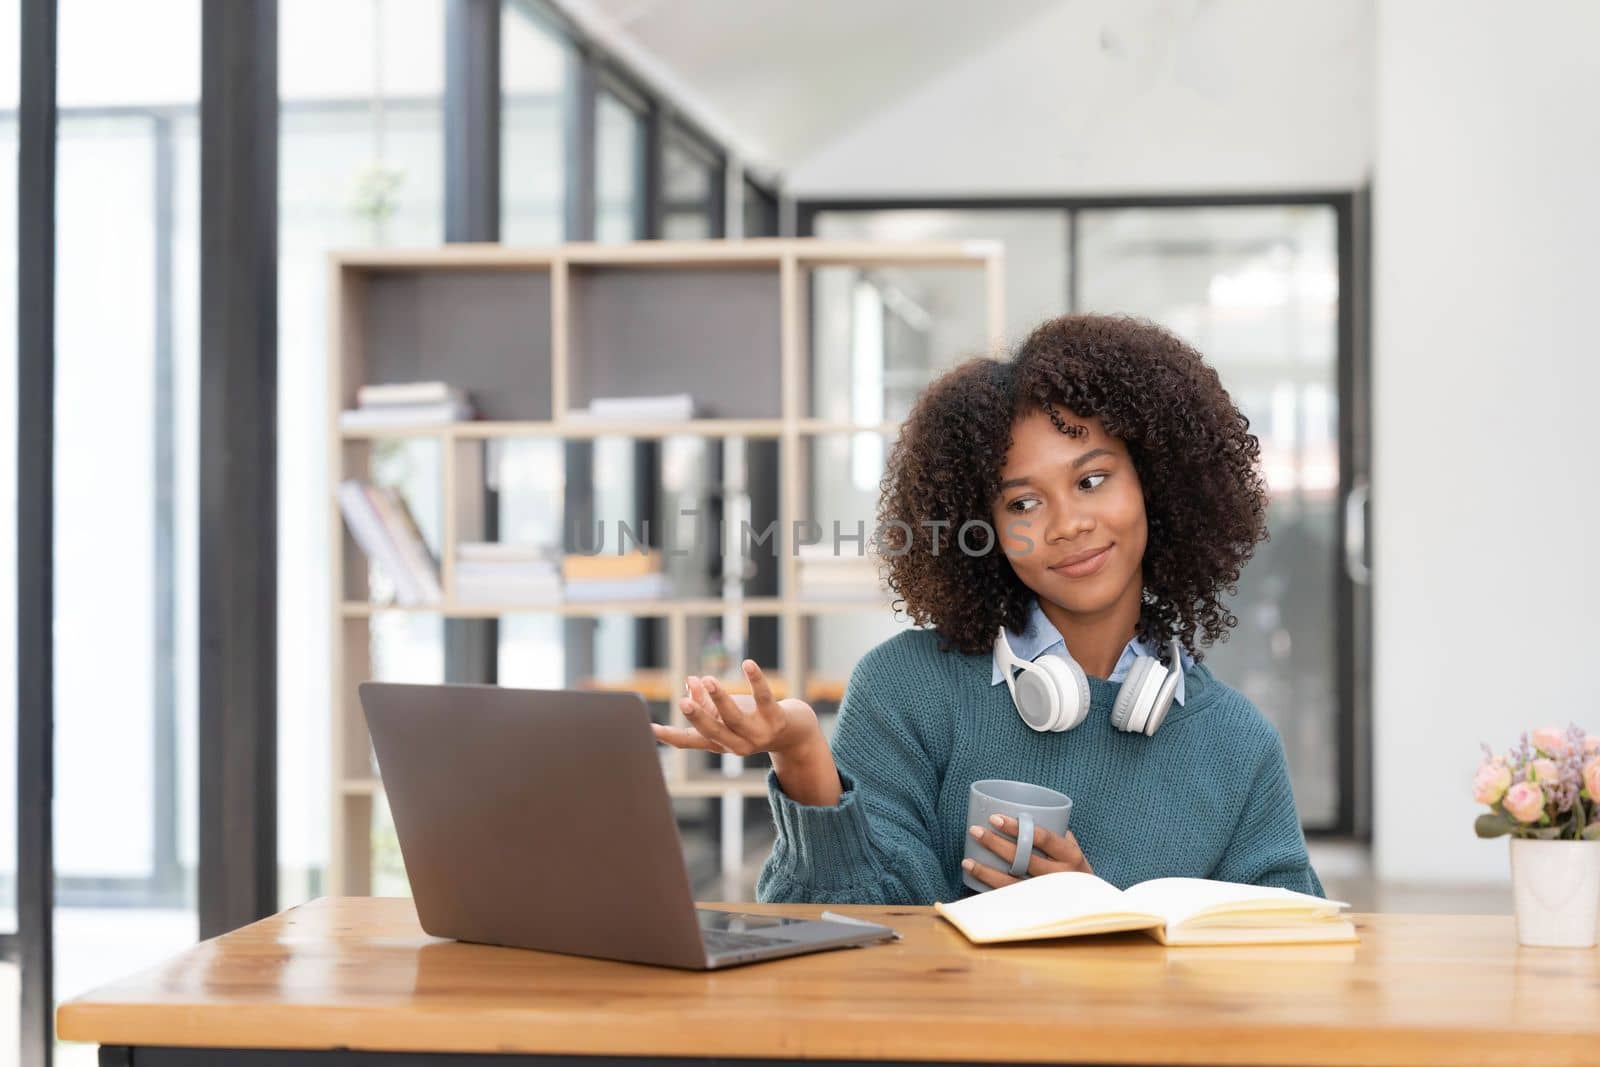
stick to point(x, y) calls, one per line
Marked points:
point(1019, 863)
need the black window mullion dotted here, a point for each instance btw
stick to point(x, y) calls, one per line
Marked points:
point(472, 101)
point(579, 120)
point(717, 199)
point(238, 462)
point(647, 177)
point(472, 120)
point(35, 577)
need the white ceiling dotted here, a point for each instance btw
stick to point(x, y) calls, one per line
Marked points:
point(787, 77)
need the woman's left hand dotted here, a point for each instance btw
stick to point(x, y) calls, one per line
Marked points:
point(1061, 852)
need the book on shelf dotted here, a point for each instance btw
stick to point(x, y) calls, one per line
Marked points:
point(387, 532)
point(672, 407)
point(506, 552)
point(406, 403)
point(514, 593)
point(642, 587)
point(404, 415)
point(507, 574)
point(610, 566)
point(1174, 911)
point(821, 574)
point(400, 394)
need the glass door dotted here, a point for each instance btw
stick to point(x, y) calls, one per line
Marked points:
point(1261, 290)
point(1256, 291)
point(126, 525)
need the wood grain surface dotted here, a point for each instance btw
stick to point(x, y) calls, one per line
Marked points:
point(360, 973)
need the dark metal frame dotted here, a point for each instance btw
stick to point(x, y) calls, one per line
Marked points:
point(238, 876)
point(472, 213)
point(762, 202)
point(1353, 640)
point(35, 562)
point(472, 120)
point(1354, 655)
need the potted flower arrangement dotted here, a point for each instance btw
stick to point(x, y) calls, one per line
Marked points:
point(1545, 793)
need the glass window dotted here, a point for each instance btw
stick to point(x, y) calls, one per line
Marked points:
point(1035, 243)
point(688, 186)
point(360, 164)
point(1256, 290)
point(127, 247)
point(619, 173)
point(535, 67)
point(890, 331)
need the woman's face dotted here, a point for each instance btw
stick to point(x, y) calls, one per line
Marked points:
point(1079, 503)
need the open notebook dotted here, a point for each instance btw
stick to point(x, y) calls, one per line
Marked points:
point(1175, 911)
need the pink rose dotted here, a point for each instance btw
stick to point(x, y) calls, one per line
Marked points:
point(1524, 802)
point(1544, 771)
point(1551, 741)
point(1491, 782)
point(1591, 779)
point(1591, 745)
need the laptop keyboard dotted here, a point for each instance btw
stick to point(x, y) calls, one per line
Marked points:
point(729, 941)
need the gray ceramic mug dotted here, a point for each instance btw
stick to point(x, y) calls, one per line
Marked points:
point(1030, 805)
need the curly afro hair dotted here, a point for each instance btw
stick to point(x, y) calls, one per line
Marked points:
point(1197, 461)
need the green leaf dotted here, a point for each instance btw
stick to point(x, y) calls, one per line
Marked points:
point(1592, 832)
point(1546, 833)
point(1492, 824)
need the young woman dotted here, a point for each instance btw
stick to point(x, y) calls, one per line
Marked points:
point(1122, 487)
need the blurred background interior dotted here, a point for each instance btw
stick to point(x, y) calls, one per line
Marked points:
point(1377, 219)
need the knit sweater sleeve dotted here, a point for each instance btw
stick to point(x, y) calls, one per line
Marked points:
point(1268, 846)
point(876, 846)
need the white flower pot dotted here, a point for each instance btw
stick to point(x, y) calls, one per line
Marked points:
point(1556, 887)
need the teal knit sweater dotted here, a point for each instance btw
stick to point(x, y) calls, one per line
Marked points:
point(1207, 797)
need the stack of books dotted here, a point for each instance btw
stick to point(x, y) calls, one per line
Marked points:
point(822, 574)
point(406, 404)
point(387, 532)
point(674, 407)
point(634, 575)
point(496, 573)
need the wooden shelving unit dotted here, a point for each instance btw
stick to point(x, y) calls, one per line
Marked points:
point(532, 335)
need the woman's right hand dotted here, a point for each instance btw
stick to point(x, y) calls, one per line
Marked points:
point(720, 721)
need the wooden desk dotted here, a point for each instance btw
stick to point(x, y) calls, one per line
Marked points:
point(359, 974)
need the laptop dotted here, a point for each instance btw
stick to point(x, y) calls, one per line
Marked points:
point(540, 819)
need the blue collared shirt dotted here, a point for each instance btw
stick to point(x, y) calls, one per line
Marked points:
point(1040, 635)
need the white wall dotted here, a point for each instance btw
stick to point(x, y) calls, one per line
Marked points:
point(1126, 96)
point(1486, 373)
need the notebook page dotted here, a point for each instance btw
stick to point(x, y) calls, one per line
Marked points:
point(1179, 899)
point(1050, 900)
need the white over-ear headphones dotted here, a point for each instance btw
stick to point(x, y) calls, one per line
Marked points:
point(1052, 693)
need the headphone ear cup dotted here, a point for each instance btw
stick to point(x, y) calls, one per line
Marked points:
point(1072, 688)
point(1128, 695)
point(1158, 714)
point(1037, 699)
